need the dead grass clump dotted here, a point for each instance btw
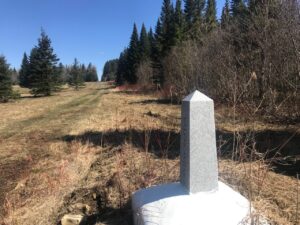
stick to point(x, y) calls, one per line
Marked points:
point(272, 195)
point(36, 197)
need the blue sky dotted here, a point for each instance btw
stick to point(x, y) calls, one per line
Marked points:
point(91, 30)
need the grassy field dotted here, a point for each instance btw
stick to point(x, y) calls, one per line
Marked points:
point(88, 150)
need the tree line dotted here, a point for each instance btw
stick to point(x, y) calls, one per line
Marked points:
point(41, 72)
point(110, 70)
point(249, 56)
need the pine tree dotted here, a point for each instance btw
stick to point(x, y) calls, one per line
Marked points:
point(133, 57)
point(210, 15)
point(145, 47)
point(76, 77)
point(24, 72)
point(43, 67)
point(225, 18)
point(5, 81)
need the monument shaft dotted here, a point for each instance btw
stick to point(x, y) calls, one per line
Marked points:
point(198, 155)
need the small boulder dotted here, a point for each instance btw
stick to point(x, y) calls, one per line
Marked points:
point(72, 220)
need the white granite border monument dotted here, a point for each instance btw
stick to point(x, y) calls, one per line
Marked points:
point(199, 198)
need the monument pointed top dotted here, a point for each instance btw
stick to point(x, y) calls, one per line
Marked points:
point(196, 96)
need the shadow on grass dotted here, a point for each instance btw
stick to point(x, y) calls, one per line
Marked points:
point(100, 211)
point(280, 149)
point(155, 101)
point(111, 216)
point(161, 143)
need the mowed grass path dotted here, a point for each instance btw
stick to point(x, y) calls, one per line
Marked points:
point(29, 126)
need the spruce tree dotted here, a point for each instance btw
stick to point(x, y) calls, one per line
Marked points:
point(238, 8)
point(122, 67)
point(76, 76)
point(190, 12)
point(157, 55)
point(225, 17)
point(94, 74)
point(166, 26)
point(151, 42)
point(199, 8)
point(14, 76)
point(178, 20)
point(157, 41)
point(145, 47)
point(59, 75)
point(43, 67)
point(194, 18)
point(6, 91)
point(83, 72)
point(210, 15)
point(133, 57)
point(24, 72)
point(91, 73)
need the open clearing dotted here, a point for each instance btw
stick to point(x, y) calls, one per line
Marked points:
point(96, 146)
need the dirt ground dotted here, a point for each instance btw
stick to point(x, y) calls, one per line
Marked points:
point(86, 151)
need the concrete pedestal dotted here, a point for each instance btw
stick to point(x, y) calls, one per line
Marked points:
point(171, 204)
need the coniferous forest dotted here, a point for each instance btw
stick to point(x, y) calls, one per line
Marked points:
point(248, 56)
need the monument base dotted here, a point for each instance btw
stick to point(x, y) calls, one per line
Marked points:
point(170, 204)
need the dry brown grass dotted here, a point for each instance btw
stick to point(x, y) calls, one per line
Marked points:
point(95, 148)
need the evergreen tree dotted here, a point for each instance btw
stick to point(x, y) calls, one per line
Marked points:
point(225, 18)
point(199, 8)
point(190, 12)
point(76, 77)
point(14, 76)
point(43, 67)
point(133, 57)
point(122, 67)
point(210, 15)
point(83, 71)
point(157, 55)
point(24, 72)
point(145, 47)
point(110, 70)
point(167, 29)
point(57, 78)
point(157, 42)
point(5, 81)
point(194, 18)
point(91, 73)
point(238, 8)
point(178, 20)
point(151, 42)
